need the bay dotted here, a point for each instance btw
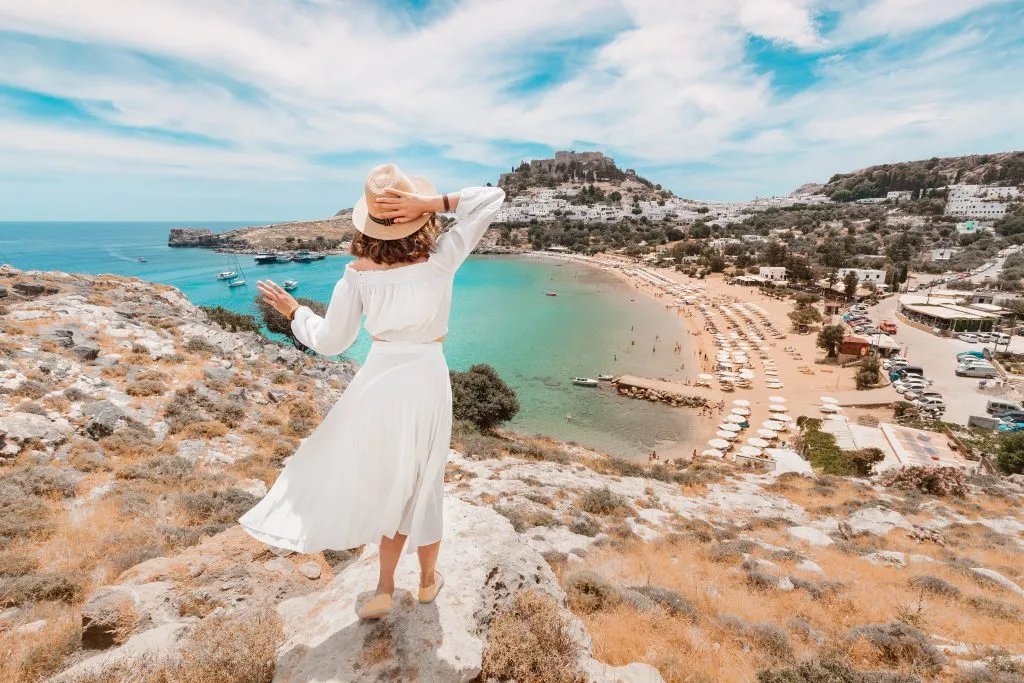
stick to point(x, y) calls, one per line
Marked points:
point(500, 315)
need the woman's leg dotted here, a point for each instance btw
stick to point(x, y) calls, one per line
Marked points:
point(428, 560)
point(390, 552)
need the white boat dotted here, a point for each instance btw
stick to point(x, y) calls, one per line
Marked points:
point(606, 378)
point(282, 257)
point(289, 285)
point(227, 275)
point(239, 280)
point(584, 382)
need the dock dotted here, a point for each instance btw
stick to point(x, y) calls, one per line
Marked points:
point(674, 393)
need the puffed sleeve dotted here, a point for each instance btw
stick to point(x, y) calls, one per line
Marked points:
point(477, 208)
point(335, 332)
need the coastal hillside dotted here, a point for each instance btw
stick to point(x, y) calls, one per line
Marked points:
point(577, 171)
point(1003, 168)
point(322, 235)
point(134, 430)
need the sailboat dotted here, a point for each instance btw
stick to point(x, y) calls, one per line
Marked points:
point(240, 280)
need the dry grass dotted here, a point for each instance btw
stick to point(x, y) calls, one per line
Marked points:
point(530, 641)
point(236, 648)
point(36, 656)
point(738, 630)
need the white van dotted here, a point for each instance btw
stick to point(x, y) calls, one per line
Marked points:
point(997, 406)
point(986, 371)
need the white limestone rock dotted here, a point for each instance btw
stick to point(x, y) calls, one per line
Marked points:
point(997, 578)
point(887, 558)
point(877, 520)
point(811, 535)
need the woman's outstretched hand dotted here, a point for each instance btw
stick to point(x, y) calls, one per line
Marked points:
point(403, 207)
point(283, 302)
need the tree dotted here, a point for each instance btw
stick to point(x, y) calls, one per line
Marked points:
point(775, 253)
point(867, 375)
point(615, 196)
point(480, 396)
point(850, 285)
point(864, 460)
point(1010, 458)
point(231, 321)
point(830, 337)
point(278, 324)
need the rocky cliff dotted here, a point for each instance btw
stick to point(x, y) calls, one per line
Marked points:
point(134, 432)
point(321, 235)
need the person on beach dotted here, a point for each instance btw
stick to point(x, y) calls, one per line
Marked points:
point(373, 471)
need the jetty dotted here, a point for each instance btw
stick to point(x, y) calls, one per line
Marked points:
point(660, 391)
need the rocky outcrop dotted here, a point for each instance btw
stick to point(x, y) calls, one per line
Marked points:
point(192, 237)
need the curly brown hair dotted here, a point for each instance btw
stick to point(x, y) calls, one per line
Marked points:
point(415, 247)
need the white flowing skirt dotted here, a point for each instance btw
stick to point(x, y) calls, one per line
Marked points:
point(375, 465)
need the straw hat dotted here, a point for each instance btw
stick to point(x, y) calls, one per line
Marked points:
point(381, 178)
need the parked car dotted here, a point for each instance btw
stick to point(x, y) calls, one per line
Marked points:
point(998, 406)
point(894, 363)
point(1001, 338)
point(971, 354)
point(975, 361)
point(931, 404)
point(969, 338)
point(986, 371)
point(911, 370)
point(888, 326)
point(984, 337)
point(1011, 416)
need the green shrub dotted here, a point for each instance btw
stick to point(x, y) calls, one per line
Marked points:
point(231, 321)
point(829, 671)
point(481, 397)
point(603, 501)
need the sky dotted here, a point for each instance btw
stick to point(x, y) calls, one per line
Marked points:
point(270, 110)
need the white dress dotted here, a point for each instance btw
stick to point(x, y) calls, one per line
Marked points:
point(375, 465)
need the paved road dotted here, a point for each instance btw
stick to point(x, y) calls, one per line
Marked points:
point(937, 355)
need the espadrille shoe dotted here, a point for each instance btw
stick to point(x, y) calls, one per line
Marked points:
point(430, 592)
point(376, 607)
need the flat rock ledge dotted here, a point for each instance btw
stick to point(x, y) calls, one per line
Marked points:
point(484, 563)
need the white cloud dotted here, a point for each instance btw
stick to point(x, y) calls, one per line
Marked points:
point(281, 82)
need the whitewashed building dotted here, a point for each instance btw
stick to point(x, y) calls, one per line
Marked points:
point(943, 254)
point(972, 227)
point(975, 201)
point(865, 276)
point(900, 195)
point(772, 273)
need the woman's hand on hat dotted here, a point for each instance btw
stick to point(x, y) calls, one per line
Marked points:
point(403, 207)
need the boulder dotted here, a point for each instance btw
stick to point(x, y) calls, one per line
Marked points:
point(31, 627)
point(311, 570)
point(877, 520)
point(810, 535)
point(31, 289)
point(114, 608)
point(992, 576)
point(887, 558)
point(86, 352)
point(3, 292)
point(152, 643)
point(105, 418)
point(21, 428)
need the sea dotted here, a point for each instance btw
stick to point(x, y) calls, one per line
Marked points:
point(500, 316)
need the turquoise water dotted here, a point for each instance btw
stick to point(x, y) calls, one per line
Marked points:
point(500, 316)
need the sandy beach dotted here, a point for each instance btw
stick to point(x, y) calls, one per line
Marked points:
point(799, 364)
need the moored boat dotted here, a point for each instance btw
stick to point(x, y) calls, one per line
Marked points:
point(265, 258)
point(227, 275)
point(551, 293)
point(606, 378)
point(584, 382)
point(142, 259)
point(289, 285)
point(282, 257)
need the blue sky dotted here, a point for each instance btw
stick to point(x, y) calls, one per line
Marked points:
point(275, 109)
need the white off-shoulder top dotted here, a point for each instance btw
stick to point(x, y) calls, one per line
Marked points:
point(408, 303)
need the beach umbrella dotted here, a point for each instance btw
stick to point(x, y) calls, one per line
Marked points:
point(737, 419)
point(759, 443)
point(774, 426)
point(828, 399)
point(728, 436)
point(730, 427)
point(777, 399)
point(767, 433)
point(720, 444)
point(776, 408)
point(741, 402)
point(781, 417)
point(774, 385)
point(706, 377)
point(750, 451)
point(830, 408)
point(713, 452)
point(740, 411)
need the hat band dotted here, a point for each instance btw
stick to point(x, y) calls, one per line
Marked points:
point(380, 221)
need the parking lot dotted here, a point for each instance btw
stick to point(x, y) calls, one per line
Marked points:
point(937, 356)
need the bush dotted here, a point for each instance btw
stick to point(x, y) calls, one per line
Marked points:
point(993, 608)
point(588, 592)
point(933, 585)
point(603, 501)
point(898, 643)
point(530, 641)
point(865, 459)
point(43, 481)
point(21, 515)
point(938, 481)
point(276, 323)
point(771, 640)
point(868, 374)
point(65, 588)
point(671, 601)
point(30, 388)
point(523, 518)
point(829, 671)
point(481, 397)
point(216, 507)
point(231, 321)
point(146, 387)
point(584, 525)
point(1010, 458)
point(821, 449)
point(164, 469)
point(200, 345)
point(15, 564)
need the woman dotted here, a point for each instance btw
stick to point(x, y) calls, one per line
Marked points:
point(373, 470)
